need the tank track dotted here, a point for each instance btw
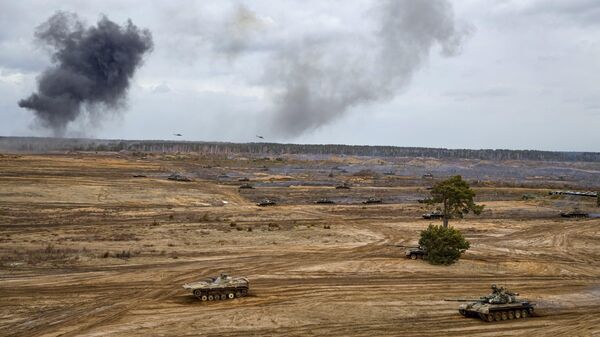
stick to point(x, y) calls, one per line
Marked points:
point(220, 294)
point(500, 315)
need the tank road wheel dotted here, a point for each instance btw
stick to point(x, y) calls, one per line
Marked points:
point(524, 313)
point(197, 292)
point(504, 315)
point(462, 312)
point(489, 317)
point(238, 294)
point(204, 298)
point(230, 296)
point(244, 292)
point(413, 256)
point(223, 297)
point(511, 314)
point(497, 316)
point(530, 311)
point(211, 297)
point(517, 314)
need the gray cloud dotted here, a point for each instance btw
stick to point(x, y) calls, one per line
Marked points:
point(316, 78)
point(92, 66)
point(544, 51)
point(319, 82)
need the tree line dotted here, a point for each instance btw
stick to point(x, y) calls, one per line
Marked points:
point(33, 144)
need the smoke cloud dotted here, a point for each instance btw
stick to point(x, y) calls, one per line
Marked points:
point(315, 78)
point(92, 68)
point(318, 82)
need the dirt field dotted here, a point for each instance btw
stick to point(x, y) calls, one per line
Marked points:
point(87, 249)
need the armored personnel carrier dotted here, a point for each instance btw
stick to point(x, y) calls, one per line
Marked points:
point(574, 214)
point(266, 202)
point(219, 288)
point(324, 201)
point(433, 215)
point(246, 186)
point(500, 305)
point(415, 252)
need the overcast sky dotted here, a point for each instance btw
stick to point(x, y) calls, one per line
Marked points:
point(519, 74)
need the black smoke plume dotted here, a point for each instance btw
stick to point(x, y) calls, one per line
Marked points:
point(92, 68)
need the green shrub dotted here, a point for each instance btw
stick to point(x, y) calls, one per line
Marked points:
point(443, 245)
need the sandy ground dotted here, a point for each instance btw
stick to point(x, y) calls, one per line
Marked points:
point(86, 249)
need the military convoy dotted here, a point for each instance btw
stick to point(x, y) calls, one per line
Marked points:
point(218, 288)
point(500, 305)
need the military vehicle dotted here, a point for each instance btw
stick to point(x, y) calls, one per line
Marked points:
point(178, 177)
point(343, 186)
point(433, 215)
point(415, 252)
point(219, 288)
point(372, 201)
point(574, 214)
point(246, 186)
point(500, 305)
point(244, 179)
point(266, 202)
point(324, 201)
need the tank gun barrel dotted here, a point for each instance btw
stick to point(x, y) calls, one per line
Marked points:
point(462, 299)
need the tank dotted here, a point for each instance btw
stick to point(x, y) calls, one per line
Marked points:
point(574, 214)
point(218, 288)
point(178, 177)
point(246, 186)
point(500, 305)
point(415, 252)
point(343, 186)
point(324, 201)
point(266, 202)
point(372, 201)
point(433, 215)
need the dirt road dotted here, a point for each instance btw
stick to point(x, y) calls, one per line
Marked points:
point(89, 250)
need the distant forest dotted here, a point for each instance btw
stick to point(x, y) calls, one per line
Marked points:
point(42, 145)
